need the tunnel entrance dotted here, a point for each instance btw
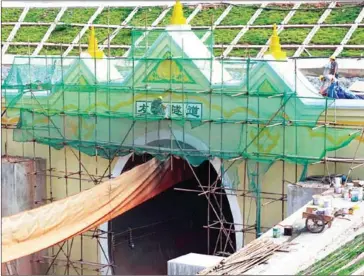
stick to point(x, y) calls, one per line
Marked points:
point(166, 226)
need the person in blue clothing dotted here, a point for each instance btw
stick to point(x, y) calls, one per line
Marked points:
point(330, 87)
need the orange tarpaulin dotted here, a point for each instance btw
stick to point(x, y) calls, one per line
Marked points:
point(40, 228)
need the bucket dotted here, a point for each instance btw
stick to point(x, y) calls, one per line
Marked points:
point(316, 199)
point(320, 212)
point(328, 211)
point(338, 190)
point(288, 230)
point(346, 194)
point(276, 232)
point(360, 190)
point(355, 196)
point(327, 203)
point(350, 185)
point(337, 182)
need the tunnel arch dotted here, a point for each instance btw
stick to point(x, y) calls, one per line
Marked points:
point(160, 137)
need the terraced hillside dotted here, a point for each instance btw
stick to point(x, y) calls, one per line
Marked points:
point(316, 29)
point(343, 261)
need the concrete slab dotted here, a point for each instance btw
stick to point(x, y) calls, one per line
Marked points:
point(307, 248)
point(191, 264)
point(357, 86)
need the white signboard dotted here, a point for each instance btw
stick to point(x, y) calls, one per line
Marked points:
point(173, 110)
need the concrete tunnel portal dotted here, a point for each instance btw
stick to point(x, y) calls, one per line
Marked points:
point(167, 226)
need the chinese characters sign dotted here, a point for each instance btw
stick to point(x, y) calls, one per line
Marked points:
point(174, 109)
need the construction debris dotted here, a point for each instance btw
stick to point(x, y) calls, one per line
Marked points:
point(255, 253)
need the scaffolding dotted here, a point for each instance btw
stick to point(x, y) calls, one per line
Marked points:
point(246, 113)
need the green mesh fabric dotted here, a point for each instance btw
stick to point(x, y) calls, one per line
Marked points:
point(170, 96)
point(234, 108)
point(99, 109)
point(255, 172)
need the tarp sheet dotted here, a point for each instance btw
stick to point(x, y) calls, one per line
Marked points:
point(40, 228)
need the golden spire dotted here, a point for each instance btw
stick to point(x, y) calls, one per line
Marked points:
point(177, 15)
point(275, 47)
point(93, 48)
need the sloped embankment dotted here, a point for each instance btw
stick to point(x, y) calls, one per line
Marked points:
point(343, 261)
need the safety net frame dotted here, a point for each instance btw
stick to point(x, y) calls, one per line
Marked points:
point(241, 109)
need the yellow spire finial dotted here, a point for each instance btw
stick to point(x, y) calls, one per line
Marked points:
point(275, 47)
point(177, 15)
point(93, 48)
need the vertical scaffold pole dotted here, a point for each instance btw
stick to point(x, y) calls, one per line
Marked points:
point(295, 117)
point(284, 152)
point(245, 125)
point(211, 126)
point(50, 151)
point(258, 199)
point(80, 143)
point(64, 144)
point(222, 220)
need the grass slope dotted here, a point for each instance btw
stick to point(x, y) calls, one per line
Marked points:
point(145, 16)
point(352, 53)
point(245, 53)
point(187, 10)
point(326, 35)
point(20, 50)
point(332, 264)
point(10, 14)
point(41, 15)
point(77, 15)
point(5, 31)
point(345, 14)
point(207, 15)
point(318, 52)
point(225, 36)
point(294, 35)
point(30, 33)
point(256, 37)
point(115, 16)
point(239, 15)
point(357, 37)
point(273, 14)
point(307, 14)
point(64, 34)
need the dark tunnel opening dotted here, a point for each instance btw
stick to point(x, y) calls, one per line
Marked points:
point(166, 226)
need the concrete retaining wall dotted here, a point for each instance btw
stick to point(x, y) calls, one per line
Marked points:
point(300, 194)
point(23, 189)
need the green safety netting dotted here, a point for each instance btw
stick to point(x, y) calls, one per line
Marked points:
point(258, 110)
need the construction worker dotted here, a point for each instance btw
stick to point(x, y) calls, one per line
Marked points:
point(326, 83)
point(158, 108)
point(331, 88)
point(333, 67)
